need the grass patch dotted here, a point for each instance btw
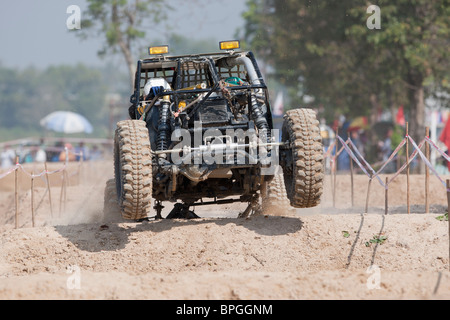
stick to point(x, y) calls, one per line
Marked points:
point(380, 239)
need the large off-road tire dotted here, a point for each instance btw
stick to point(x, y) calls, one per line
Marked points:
point(303, 164)
point(133, 169)
point(274, 200)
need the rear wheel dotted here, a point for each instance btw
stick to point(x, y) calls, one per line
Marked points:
point(133, 169)
point(303, 161)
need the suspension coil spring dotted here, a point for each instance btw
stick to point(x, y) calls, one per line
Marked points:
point(260, 120)
point(162, 140)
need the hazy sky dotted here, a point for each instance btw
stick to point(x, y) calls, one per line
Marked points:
point(35, 33)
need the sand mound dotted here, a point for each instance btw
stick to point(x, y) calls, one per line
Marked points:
point(322, 253)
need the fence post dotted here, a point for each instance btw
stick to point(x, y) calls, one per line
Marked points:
point(48, 189)
point(65, 189)
point(80, 167)
point(16, 197)
point(448, 214)
point(368, 193)
point(335, 167)
point(63, 177)
point(407, 169)
point(32, 198)
point(386, 197)
point(427, 171)
point(351, 178)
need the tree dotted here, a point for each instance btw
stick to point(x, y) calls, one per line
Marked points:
point(325, 49)
point(414, 42)
point(28, 95)
point(122, 24)
point(179, 45)
point(76, 88)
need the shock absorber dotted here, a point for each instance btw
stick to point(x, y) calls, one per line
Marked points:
point(263, 130)
point(163, 137)
point(260, 120)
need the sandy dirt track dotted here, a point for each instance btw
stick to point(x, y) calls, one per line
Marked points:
point(319, 253)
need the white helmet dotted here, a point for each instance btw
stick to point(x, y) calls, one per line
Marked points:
point(155, 84)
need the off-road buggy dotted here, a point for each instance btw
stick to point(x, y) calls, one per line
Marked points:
point(201, 132)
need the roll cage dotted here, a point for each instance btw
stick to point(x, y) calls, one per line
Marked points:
point(184, 72)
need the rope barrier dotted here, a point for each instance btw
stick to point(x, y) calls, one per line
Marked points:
point(8, 172)
point(41, 175)
point(430, 142)
point(425, 160)
point(354, 153)
point(412, 157)
point(367, 169)
point(32, 175)
point(347, 145)
point(394, 153)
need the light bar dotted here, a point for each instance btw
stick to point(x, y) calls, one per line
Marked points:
point(158, 50)
point(229, 45)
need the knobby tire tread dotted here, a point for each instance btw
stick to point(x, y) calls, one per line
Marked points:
point(133, 171)
point(304, 181)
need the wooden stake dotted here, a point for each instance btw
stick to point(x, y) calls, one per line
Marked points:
point(32, 198)
point(16, 196)
point(62, 190)
point(335, 168)
point(65, 189)
point(48, 190)
point(448, 208)
point(351, 180)
point(407, 169)
point(368, 193)
point(427, 172)
point(80, 167)
point(386, 197)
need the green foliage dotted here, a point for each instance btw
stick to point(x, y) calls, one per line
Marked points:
point(122, 24)
point(179, 44)
point(28, 95)
point(443, 217)
point(397, 136)
point(377, 239)
point(324, 49)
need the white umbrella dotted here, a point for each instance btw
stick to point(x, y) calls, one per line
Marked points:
point(66, 122)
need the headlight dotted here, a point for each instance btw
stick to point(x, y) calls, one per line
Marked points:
point(229, 45)
point(158, 50)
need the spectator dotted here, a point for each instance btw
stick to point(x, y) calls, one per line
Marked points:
point(54, 152)
point(96, 153)
point(386, 146)
point(70, 152)
point(82, 149)
point(356, 139)
point(386, 150)
point(7, 157)
point(41, 155)
point(343, 160)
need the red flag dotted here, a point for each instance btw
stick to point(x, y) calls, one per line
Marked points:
point(400, 117)
point(445, 138)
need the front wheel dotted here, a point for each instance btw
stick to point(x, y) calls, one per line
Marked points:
point(303, 160)
point(133, 169)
